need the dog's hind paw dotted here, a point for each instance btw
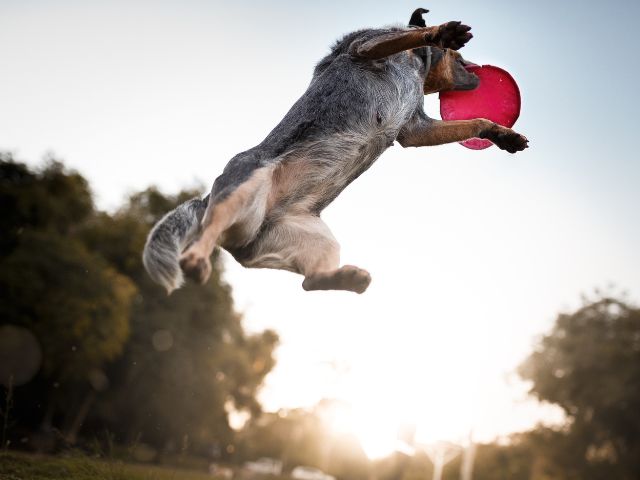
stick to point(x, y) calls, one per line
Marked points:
point(195, 267)
point(350, 278)
point(353, 278)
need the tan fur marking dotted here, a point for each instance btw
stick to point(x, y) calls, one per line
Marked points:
point(298, 243)
point(304, 244)
point(287, 177)
point(440, 77)
point(395, 42)
point(441, 132)
point(243, 209)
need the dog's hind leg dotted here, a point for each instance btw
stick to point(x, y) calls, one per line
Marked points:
point(303, 243)
point(237, 217)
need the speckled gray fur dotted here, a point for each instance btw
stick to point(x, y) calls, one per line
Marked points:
point(351, 112)
point(172, 234)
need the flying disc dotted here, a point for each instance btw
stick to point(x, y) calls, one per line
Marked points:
point(497, 98)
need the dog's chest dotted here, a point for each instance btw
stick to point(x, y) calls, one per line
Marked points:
point(392, 103)
point(357, 122)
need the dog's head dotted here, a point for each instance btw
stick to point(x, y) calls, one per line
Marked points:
point(447, 70)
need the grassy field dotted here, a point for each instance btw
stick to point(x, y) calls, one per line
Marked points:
point(31, 467)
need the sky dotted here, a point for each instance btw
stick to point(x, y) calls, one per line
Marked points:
point(472, 253)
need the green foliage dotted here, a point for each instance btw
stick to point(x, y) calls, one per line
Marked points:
point(51, 199)
point(589, 364)
point(117, 352)
point(75, 303)
point(69, 297)
point(77, 467)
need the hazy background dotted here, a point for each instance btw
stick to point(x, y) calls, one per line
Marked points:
point(472, 253)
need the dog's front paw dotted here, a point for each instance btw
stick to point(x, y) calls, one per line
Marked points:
point(453, 35)
point(195, 266)
point(506, 139)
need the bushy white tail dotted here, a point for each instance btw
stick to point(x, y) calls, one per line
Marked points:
point(168, 238)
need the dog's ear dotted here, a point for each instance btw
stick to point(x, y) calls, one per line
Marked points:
point(416, 18)
point(430, 55)
point(437, 54)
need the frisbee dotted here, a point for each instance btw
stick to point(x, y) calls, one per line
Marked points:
point(497, 98)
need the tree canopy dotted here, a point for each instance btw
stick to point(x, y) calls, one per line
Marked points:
point(118, 354)
point(589, 365)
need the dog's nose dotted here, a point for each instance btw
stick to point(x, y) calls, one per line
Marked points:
point(470, 67)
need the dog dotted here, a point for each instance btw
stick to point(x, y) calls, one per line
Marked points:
point(265, 207)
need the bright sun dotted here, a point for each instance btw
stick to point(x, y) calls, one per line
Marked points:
point(375, 412)
point(376, 434)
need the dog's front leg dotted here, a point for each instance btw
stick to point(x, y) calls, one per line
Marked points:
point(436, 132)
point(448, 35)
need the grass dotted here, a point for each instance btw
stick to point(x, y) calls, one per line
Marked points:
point(14, 466)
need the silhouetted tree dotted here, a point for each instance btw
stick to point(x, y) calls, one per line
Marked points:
point(118, 354)
point(589, 365)
point(76, 304)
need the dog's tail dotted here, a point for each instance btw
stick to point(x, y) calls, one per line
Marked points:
point(168, 238)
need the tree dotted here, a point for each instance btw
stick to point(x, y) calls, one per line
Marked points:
point(52, 199)
point(189, 360)
point(589, 365)
point(118, 354)
point(70, 298)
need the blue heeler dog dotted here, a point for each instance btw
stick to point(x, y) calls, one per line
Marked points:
point(265, 207)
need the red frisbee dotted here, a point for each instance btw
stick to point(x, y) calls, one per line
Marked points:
point(497, 98)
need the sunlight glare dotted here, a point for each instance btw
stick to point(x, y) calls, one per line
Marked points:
point(375, 432)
